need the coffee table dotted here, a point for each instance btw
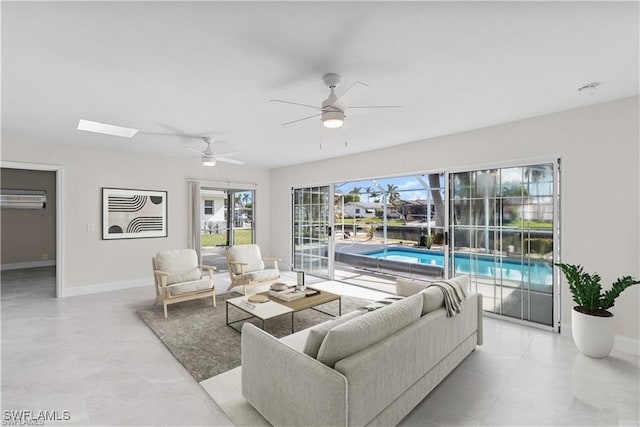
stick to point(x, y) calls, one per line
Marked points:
point(276, 307)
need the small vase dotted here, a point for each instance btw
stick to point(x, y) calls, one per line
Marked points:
point(593, 335)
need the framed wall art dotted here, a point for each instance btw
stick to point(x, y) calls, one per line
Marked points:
point(133, 214)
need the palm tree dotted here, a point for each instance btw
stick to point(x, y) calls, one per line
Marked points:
point(245, 198)
point(355, 190)
point(369, 191)
point(394, 197)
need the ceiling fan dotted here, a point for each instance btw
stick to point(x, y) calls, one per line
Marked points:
point(209, 156)
point(332, 110)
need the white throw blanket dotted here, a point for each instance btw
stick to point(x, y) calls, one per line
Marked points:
point(453, 296)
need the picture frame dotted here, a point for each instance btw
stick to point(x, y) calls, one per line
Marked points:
point(133, 214)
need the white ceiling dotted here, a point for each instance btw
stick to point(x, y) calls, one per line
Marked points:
point(210, 68)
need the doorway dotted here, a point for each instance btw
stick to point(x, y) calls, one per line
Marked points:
point(54, 252)
point(312, 230)
point(226, 219)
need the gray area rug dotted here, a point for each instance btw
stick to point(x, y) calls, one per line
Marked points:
point(197, 335)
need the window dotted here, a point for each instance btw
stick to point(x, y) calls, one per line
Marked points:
point(208, 207)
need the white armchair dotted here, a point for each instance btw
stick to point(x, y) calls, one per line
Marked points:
point(178, 277)
point(247, 267)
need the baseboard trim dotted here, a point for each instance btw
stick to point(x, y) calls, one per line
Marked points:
point(106, 287)
point(626, 344)
point(29, 264)
point(620, 342)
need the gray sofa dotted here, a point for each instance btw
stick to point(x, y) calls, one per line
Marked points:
point(370, 369)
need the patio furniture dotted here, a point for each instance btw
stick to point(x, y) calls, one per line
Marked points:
point(247, 267)
point(178, 277)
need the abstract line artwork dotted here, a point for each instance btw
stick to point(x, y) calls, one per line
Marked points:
point(133, 214)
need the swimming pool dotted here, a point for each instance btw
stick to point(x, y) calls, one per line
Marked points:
point(528, 271)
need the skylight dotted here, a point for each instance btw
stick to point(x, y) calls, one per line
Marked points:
point(97, 127)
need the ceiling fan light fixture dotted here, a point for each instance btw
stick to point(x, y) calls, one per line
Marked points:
point(107, 129)
point(208, 161)
point(332, 119)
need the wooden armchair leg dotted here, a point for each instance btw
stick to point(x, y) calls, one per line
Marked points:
point(165, 309)
point(214, 298)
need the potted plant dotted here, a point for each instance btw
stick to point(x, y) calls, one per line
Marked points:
point(592, 325)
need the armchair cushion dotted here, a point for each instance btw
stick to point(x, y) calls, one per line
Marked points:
point(191, 287)
point(264, 275)
point(249, 254)
point(181, 264)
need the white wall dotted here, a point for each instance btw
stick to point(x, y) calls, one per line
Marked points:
point(88, 259)
point(599, 146)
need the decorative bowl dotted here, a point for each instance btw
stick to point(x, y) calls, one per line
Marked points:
point(279, 286)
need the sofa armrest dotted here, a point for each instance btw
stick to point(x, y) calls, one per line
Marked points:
point(288, 387)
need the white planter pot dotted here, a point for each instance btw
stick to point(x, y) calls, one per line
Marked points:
point(593, 335)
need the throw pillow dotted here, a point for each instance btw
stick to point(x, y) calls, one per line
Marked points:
point(380, 303)
point(317, 333)
point(407, 287)
point(363, 331)
point(433, 299)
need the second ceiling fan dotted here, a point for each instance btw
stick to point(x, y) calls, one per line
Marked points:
point(332, 110)
point(210, 157)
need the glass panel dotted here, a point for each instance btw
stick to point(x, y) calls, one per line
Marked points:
point(310, 230)
point(243, 218)
point(502, 235)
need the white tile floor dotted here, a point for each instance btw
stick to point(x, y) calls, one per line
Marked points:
point(93, 356)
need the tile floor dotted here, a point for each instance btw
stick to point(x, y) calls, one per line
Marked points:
point(93, 356)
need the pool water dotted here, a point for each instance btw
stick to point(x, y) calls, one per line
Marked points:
point(529, 271)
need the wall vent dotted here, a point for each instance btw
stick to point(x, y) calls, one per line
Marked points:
point(23, 199)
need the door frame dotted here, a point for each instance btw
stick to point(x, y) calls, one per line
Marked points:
point(59, 171)
point(556, 161)
point(331, 225)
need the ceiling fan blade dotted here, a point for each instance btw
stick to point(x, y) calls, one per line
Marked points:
point(228, 154)
point(376, 106)
point(202, 153)
point(356, 89)
point(315, 107)
point(300, 120)
point(226, 160)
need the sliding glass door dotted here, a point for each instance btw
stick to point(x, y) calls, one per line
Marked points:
point(503, 224)
point(226, 219)
point(312, 224)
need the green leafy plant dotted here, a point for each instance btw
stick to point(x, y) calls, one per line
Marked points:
point(587, 292)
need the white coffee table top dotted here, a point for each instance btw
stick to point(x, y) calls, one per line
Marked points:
point(264, 310)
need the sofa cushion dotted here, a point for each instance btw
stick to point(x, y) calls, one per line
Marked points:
point(181, 264)
point(361, 332)
point(319, 332)
point(249, 254)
